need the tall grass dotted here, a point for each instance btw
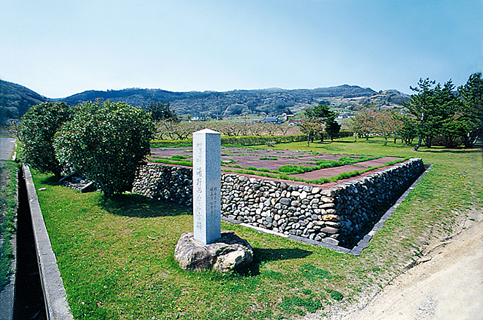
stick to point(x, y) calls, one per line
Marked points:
point(8, 175)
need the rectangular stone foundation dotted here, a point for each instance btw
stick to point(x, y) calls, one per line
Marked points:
point(338, 215)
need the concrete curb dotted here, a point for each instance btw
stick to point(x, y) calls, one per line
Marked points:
point(52, 285)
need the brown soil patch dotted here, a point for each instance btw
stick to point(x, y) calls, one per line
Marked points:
point(245, 157)
point(376, 162)
point(326, 172)
point(236, 158)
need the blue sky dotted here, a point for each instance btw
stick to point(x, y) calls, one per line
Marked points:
point(58, 48)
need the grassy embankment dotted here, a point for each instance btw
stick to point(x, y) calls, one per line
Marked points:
point(116, 257)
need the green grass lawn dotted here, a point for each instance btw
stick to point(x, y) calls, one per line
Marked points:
point(8, 186)
point(116, 257)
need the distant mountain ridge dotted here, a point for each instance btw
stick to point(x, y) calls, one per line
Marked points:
point(15, 100)
point(271, 101)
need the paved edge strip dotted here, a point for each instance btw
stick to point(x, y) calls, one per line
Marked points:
point(52, 285)
point(361, 245)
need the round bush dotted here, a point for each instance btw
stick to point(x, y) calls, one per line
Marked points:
point(39, 125)
point(106, 143)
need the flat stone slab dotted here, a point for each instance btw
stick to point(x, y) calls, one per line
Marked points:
point(247, 157)
point(228, 253)
point(377, 162)
point(270, 159)
point(78, 182)
point(326, 172)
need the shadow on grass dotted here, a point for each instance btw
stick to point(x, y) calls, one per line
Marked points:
point(133, 205)
point(50, 181)
point(440, 150)
point(261, 256)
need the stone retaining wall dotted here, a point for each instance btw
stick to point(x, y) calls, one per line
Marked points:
point(338, 215)
point(166, 183)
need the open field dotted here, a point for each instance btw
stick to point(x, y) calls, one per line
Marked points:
point(116, 256)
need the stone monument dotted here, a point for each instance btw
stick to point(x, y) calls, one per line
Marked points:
point(208, 247)
point(206, 185)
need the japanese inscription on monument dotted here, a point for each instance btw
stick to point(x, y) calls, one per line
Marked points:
point(206, 185)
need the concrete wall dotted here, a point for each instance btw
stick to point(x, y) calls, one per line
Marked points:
point(338, 215)
point(53, 288)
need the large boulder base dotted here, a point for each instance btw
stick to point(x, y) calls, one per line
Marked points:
point(228, 253)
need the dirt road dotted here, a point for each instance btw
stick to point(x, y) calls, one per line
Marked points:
point(448, 284)
point(6, 147)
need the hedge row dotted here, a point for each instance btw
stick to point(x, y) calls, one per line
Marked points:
point(258, 140)
point(234, 141)
point(244, 140)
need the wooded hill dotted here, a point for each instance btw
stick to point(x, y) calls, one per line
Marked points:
point(15, 100)
point(272, 101)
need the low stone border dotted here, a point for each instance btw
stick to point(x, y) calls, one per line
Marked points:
point(361, 245)
point(52, 285)
point(364, 242)
point(338, 214)
point(289, 236)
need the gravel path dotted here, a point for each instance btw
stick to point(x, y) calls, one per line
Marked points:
point(6, 147)
point(447, 284)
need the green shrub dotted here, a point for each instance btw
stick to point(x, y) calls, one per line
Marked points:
point(106, 143)
point(336, 295)
point(289, 168)
point(261, 140)
point(39, 126)
point(320, 164)
point(179, 157)
point(328, 163)
point(171, 143)
point(290, 304)
point(234, 141)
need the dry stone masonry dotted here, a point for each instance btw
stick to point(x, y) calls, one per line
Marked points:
point(338, 215)
point(165, 183)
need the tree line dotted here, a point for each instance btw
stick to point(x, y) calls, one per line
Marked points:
point(438, 113)
point(456, 114)
point(106, 142)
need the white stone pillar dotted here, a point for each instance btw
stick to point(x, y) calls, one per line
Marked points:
point(206, 185)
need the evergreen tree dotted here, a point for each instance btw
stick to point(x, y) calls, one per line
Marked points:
point(160, 111)
point(325, 118)
point(472, 95)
